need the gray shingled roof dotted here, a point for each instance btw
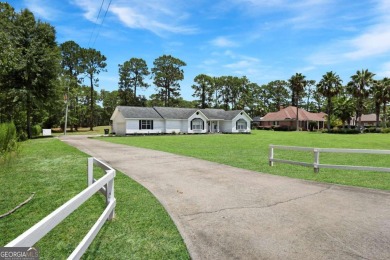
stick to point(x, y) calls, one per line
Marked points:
point(214, 114)
point(139, 112)
point(229, 115)
point(175, 112)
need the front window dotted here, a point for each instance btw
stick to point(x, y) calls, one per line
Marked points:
point(146, 124)
point(276, 123)
point(197, 124)
point(241, 124)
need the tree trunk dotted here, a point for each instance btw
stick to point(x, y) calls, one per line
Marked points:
point(297, 120)
point(328, 111)
point(203, 98)
point(29, 132)
point(91, 117)
point(377, 113)
point(384, 115)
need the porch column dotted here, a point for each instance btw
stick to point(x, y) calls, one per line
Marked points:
point(218, 126)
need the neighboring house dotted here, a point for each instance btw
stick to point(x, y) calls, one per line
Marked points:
point(154, 120)
point(286, 117)
point(256, 121)
point(367, 120)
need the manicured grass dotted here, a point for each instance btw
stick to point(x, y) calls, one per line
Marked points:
point(97, 130)
point(56, 172)
point(251, 152)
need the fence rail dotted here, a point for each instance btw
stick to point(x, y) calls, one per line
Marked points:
point(316, 160)
point(105, 184)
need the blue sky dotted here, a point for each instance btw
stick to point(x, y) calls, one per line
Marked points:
point(264, 40)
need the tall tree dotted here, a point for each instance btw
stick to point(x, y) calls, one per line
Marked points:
point(93, 62)
point(386, 99)
point(359, 87)
point(110, 100)
point(31, 74)
point(203, 90)
point(71, 66)
point(329, 86)
point(132, 74)
point(277, 92)
point(344, 108)
point(167, 72)
point(297, 84)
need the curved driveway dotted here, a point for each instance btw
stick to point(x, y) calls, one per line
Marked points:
point(224, 212)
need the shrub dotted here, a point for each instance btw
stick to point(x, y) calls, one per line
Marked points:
point(8, 139)
point(281, 128)
point(385, 130)
point(36, 130)
point(342, 131)
point(264, 128)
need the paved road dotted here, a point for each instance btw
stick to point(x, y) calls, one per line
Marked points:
point(224, 212)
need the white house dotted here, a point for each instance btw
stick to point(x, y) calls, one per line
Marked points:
point(153, 120)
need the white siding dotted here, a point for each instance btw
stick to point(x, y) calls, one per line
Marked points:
point(118, 125)
point(234, 124)
point(174, 125)
point(201, 116)
point(225, 126)
point(132, 127)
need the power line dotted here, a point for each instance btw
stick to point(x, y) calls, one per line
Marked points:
point(97, 19)
point(104, 17)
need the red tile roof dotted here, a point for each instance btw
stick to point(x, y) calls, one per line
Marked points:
point(290, 112)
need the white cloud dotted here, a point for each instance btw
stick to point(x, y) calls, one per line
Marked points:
point(373, 41)
point(223, 42)
point(42, 11)
point(154, 16)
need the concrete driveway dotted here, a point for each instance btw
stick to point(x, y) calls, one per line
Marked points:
point(224, 212)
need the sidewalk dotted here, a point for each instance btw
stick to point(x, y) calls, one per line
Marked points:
point(224, 212)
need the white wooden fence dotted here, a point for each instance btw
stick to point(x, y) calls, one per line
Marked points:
point(316, 160)
point(105, 184)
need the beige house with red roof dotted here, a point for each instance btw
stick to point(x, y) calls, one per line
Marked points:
point(286, 117)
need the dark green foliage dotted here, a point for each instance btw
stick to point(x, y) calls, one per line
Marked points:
point(167, 72)
point(342, 131)
point(36, 130)
point(131, 77)
point(8, 139)
point(32, 61)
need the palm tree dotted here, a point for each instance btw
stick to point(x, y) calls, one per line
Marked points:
point(359, 88)
point(386, 98)
point(344, 108)
point(297, 84)
point(378, 93)
point(329, 86)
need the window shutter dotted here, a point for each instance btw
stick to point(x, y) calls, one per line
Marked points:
point(151, 122)
point(191, 124)
point(237, 124)
point(139, 124)
point(202, 125)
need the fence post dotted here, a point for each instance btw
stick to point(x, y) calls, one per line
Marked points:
point(90, 171)
point(316, 160)
point(110, 196)
point(271, 155)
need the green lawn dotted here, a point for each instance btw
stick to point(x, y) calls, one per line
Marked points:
point(56, 172)
point(251, 152)
point(97, 130)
